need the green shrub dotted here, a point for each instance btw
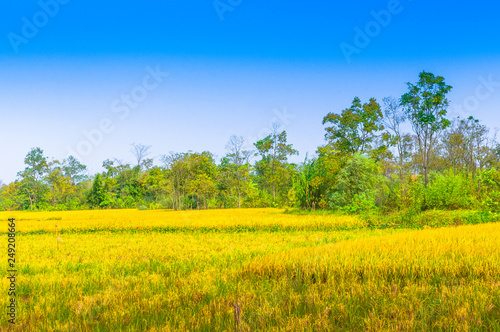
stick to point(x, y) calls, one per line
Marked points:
point(357, 187)
point(449, 191)
point(430, 218)
point(489, 189)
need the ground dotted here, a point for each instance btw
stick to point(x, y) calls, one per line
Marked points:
point(248, 270)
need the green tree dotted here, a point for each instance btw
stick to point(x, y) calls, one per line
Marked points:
point(355, 128)
point(12, 197)
point(33, 177)
point(425, 105)
point(61, 186)
point(155, 184)
point(358, 185)
point(178, 172)
point(466, 145)
point(237, 166)
point(74, 170)
point(193, 178)
point(309, 184)
point(273, 171)
point(97, 194)
point(202, 175)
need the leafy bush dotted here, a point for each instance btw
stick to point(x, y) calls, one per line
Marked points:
point(430, 218)
point(357, 187)
point(448, 191)
point(489, 188)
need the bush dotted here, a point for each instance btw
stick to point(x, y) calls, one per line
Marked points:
point(448, 191)
point(430, 218)
point(358, 186)
point(489, 188)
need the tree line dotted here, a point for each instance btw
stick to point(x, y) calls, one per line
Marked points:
point(368, 163)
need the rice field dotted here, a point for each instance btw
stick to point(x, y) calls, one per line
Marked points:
point(248, 270)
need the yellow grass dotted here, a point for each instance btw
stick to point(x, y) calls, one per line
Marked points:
point(121, 271)
point(207, 219)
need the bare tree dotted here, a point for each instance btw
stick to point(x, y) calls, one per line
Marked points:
point(140, 151)
point(394, 117)
point(118, 162)
point(238, 157)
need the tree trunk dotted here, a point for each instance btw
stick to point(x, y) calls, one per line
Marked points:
point(239, 197)
point(426, 171)
point(426, 161)
point(31, 200)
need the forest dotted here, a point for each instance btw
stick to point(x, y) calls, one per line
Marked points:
point(398, 154)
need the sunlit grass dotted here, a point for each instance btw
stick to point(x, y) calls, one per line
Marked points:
point(307, 278)
point(252, 219)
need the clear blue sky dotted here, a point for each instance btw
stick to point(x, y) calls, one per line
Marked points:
point(231, 68)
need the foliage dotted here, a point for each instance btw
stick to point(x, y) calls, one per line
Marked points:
point(449, 191)
point(355, 128)
point(489, 189)
point(368, 165)
point(97, 195)
point(273, 172)
point(358, 184)
point(425, 106)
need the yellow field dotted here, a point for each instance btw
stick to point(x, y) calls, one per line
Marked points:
point(253, 219)
point(247, 270)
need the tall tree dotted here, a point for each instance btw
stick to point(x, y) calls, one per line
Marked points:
point(394, 117)
point(273, 169)
point(201, 182)
point(355, 128)
point(61, 186)
point(33, 177)
point(467, 145)
point(192, 176)
point(310, 184)
point(97, 194)
point(238, 165)
point(425, 105)
point(178, 171)
point(73, 169)
point(156, 184)
point(140, 152)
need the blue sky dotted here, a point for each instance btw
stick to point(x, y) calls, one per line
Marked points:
point(233, 68)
